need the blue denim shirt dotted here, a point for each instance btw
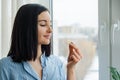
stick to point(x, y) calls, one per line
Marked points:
point(53, 69)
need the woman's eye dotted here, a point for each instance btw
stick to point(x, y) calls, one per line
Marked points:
point(42, 25)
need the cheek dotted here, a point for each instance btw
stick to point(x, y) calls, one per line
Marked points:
point(39, 36)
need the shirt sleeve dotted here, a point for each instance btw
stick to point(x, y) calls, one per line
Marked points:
point(63, 71)
point(3, 71)
point(58, 68)
point(62, 68)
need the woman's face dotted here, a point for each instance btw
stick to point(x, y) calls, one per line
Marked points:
point(44, 28)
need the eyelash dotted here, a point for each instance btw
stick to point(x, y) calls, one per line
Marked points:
point(42, 25)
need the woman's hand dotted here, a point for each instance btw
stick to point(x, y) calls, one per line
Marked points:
point(74, 56)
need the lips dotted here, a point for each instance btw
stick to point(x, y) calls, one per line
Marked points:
point(47, 36)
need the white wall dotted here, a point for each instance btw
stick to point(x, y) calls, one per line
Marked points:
point(0, 29)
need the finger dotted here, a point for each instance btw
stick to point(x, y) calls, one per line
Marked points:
point(76, 55)
point(74, 59)
point(74, 47)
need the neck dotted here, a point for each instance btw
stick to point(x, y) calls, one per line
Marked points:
point(39, 52)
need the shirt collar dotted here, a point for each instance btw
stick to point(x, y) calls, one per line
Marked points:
point(29, 68)
point(43, 60)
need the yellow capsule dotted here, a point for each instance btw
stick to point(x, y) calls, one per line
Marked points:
point(68, 41)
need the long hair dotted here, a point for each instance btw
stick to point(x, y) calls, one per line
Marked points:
point(24, 38)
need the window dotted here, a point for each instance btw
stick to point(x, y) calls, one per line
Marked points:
point(77, 21)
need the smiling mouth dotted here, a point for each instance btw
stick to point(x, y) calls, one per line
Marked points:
point(47, 36)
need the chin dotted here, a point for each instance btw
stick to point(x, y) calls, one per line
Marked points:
point(46, 43)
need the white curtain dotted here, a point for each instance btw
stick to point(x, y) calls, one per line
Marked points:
point(5, 26)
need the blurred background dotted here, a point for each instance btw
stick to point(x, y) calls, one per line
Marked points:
point(93, 25)
point(77, 21)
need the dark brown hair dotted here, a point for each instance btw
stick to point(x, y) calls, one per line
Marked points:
point(24, 39)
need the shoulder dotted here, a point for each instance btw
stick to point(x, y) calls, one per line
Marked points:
point(10, 70)
point(4, 66)
point(5, 61)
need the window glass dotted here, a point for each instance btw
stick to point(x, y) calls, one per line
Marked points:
point(77, 21)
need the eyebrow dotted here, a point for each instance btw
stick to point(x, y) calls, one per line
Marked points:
point(43, 20)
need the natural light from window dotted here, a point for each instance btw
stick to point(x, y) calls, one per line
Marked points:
point(77, 21)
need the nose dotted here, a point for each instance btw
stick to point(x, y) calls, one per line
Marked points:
point(49, 29)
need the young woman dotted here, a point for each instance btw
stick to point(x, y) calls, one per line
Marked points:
point(30, 57)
